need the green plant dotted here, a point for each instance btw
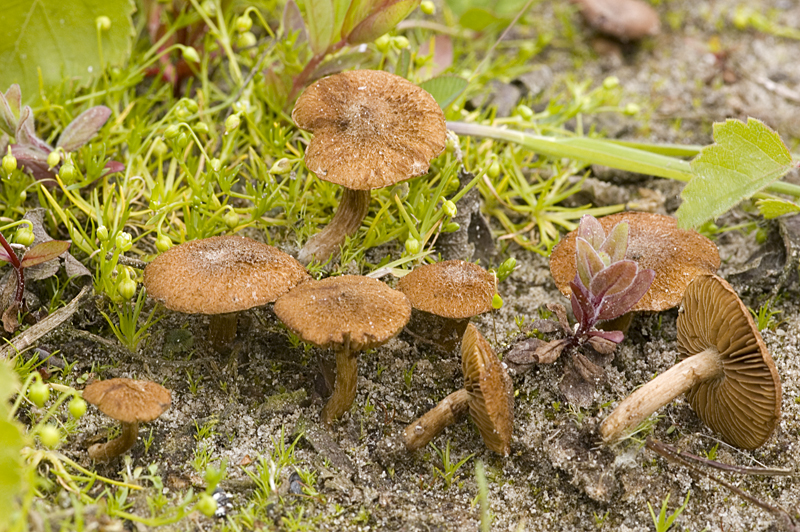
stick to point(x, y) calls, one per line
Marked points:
point(600, 520)
point(766, 317)
point(449, 470)
point(662, 522)
point(128, 332)
point(408, 375)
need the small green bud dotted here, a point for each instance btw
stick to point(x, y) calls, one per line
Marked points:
point(400, 190)
point(53, 159)
point(172, 131)
point(77, 407)
point(182, 140)
point(24, 236)
point(67, 173)
point(632, 109)
point(449, 208)
point(123, 241)
point(190, 104)
point(232, 122)
point(209, 7)
point(126, 287)
point(50, 436)
point(494, 169)
point(38, 393)
point(451, 227)
point(281, 166)
point(428, 7)
point(160, 149)
point(9, 162)
point(215, 164)
point(451, 144)
point(412, 246)
point(201, 128)
point(611, 82)
point(102, 233)
point(190, 54)
point(163, 243)
point(23, 195)
point(497, 301)
point(400, 42)
point(103, 23)
point(525, 112)
point(506, 269)
point(246, 40)
point(231, 219)
point(182, 114)
point(383, 43)
point(206, 505)
point(244, 23)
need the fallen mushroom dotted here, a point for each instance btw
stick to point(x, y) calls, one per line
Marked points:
point(725, 369)
point(488, 394)
point(221, 276)
point(371, 129)
point(445, 295)
point(627, 20)
point(350, 313)
point(130, 402)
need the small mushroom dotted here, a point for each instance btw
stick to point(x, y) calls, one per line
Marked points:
point(725, 370)
point(130, 402)
point(371, 129)
point(655, 242)
point(626, 20)
point(488, 393)
point(350, 313)
point(445, 296)
point(221, 276)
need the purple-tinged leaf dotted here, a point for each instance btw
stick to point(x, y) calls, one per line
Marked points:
point(4, 256)
point(614, 279)
point(618, 304)
point(83, 128)
point(34, 161)
point(293, 21)
point(617, 242)
point(590, 230)
point(112, 167)
point(44, 252)
point(26, 134)
point(582, 306)
point(8, 119)
point(602, 345)
point(383, 17)
point(611, 336)
point(587, 261)
point(14, 98)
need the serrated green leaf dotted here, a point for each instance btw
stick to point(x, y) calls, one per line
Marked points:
point(772, 208)
point(445, 89)
point(743, 159)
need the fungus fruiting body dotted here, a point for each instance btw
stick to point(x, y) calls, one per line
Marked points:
point(725, 370)
point(221, 276)
point(371, 129)
point(129, 401)
point(627, 20)
point(350, 313)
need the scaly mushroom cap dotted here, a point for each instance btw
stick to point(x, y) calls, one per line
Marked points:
point(325, 312)
point(221, 274)
point(452, 289)
point(371, 129)
point(491, 391)
point(128, 400)
point(655, 241)
point(744, 402)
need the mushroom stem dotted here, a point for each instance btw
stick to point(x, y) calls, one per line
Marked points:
point(447, 412)
point(103, 452)
point(344, 389)
point(353, 207)
point(222, 330)
point(663, 389)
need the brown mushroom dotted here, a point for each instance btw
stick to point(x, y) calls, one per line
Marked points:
point(627, 20)
point(371, 129)
point(221, 276)
point(130, 402)
point(655, 241)
point(725, 370)
point(488, 393)
point(350, 313)
point(445, 296)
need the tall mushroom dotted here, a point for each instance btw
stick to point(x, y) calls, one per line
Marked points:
point(221, 276)
point(445, 296)
point(725, 369)
point(350, 313)
point(371, 129)
point(130, 402)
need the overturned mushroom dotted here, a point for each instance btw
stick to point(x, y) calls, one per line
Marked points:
point(350, 313)
point(221, 276)
point(725, 369)
point(445, 296)
point(130, 402)
point(371, 129)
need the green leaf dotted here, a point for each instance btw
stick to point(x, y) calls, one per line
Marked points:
point(772, 208)
point(383, 17)
point(319, 20)
point(445, 89)
point(11, 443)
point(8, 385)
point(477, 19)
point(57, 39)
point(44, 252)
point(743, 159)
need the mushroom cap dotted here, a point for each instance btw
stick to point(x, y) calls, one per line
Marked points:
point(627, 20)
point(655, 241)
point(491, 403)
point(128, 400)
point(325, 312)
point(221, 274)
point(371, 129)
point(452, 289)
point(743, 403)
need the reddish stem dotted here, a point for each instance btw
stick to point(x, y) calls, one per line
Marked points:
point(17, 269)
point(301, 79)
